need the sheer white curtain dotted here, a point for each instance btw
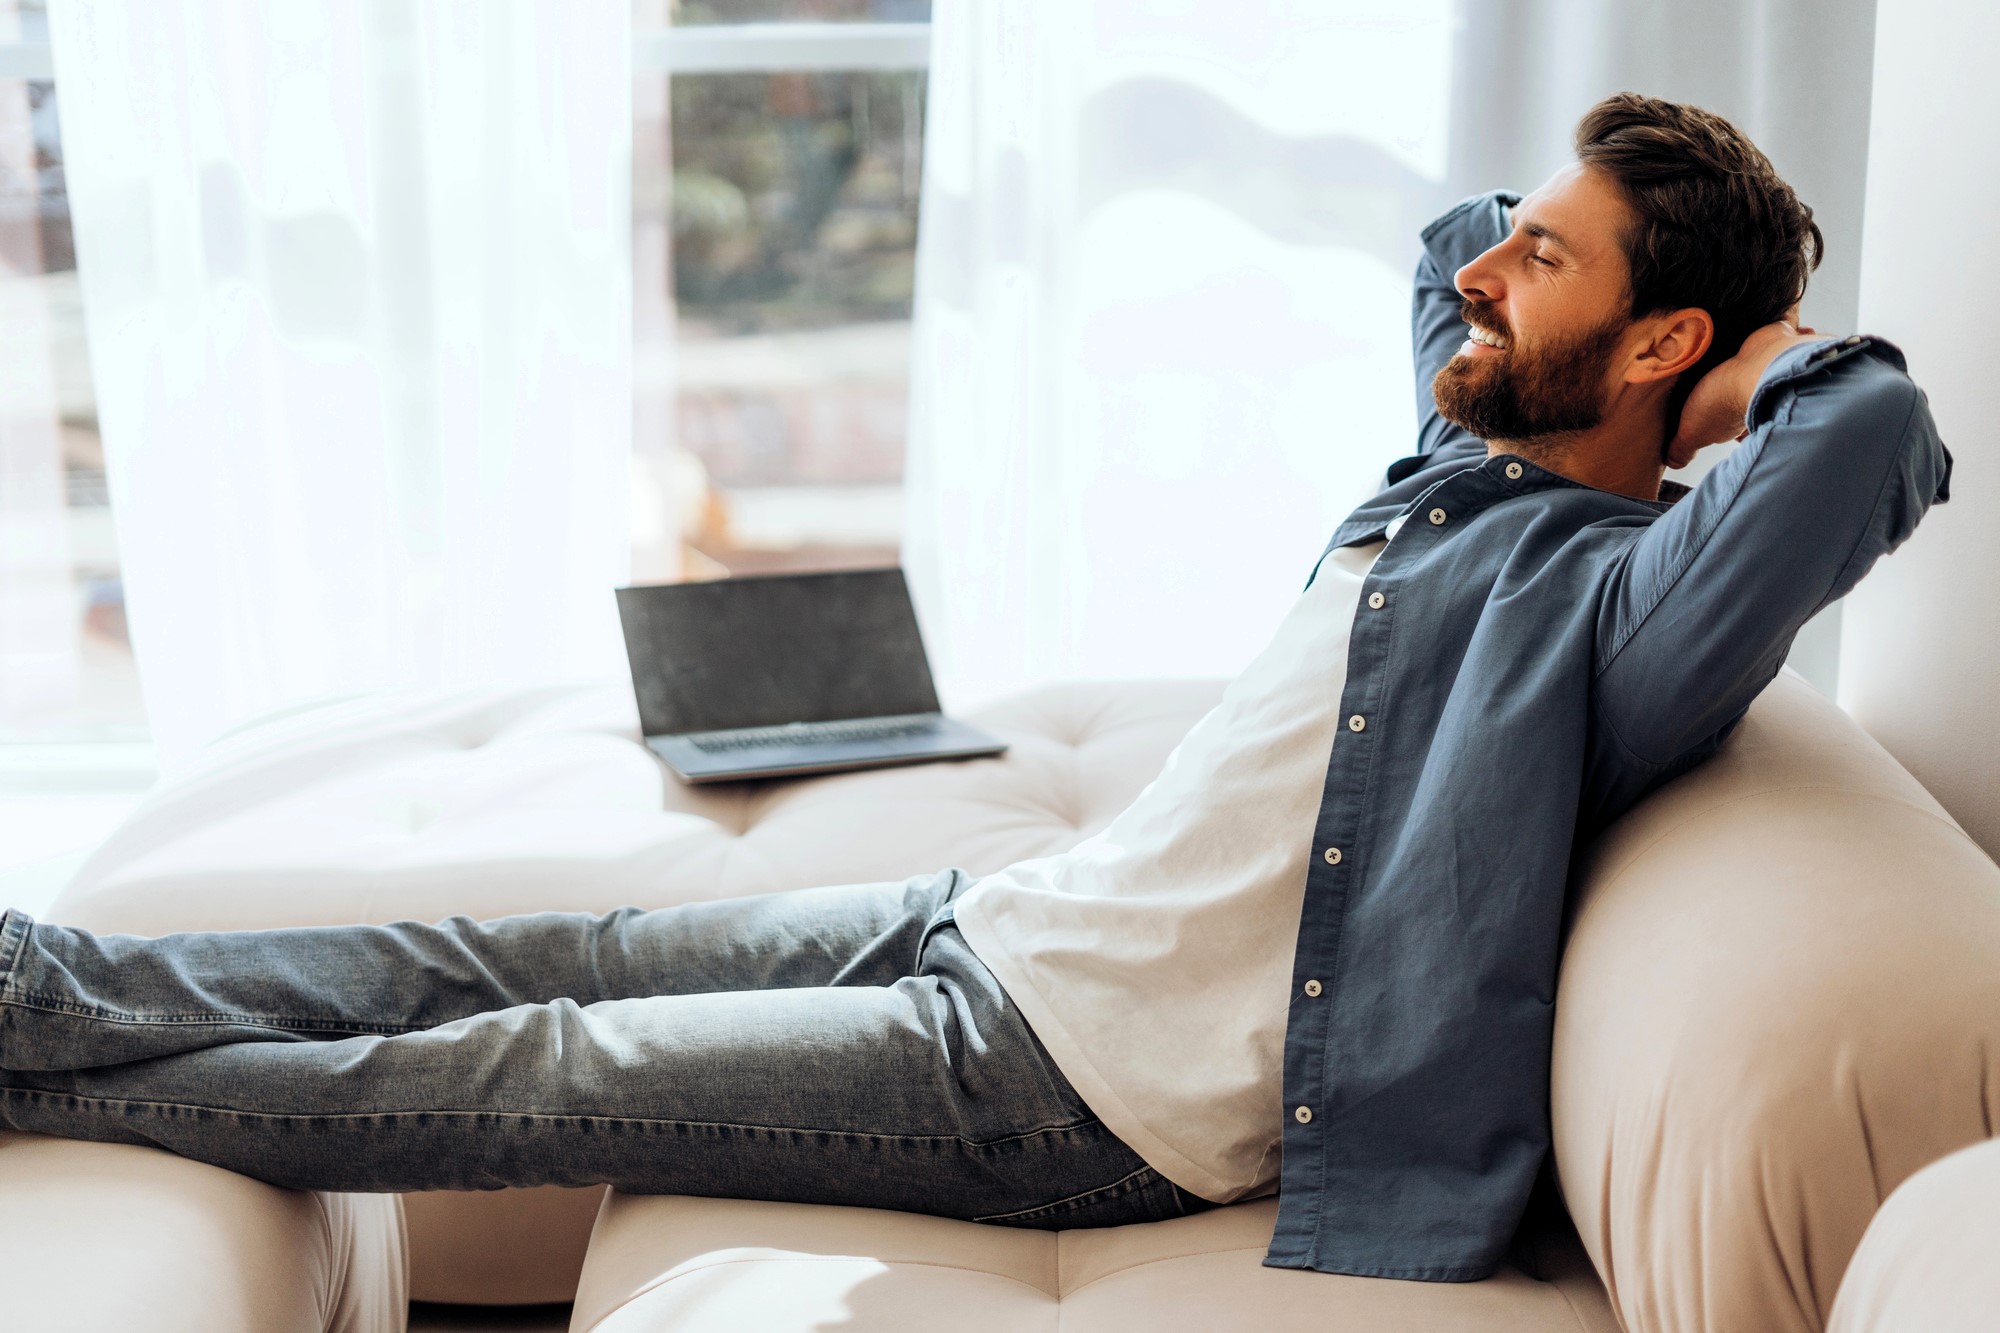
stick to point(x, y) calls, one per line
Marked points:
point(357, 283)
point(1162, 319)
point(1163, 273)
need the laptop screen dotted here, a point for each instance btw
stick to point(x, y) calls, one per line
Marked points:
point(766, 650)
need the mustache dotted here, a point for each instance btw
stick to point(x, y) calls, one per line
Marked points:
point(1476, 315)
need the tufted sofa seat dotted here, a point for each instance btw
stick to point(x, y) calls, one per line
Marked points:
point(723, 1265)
point(497, 802)
point(1780, 998)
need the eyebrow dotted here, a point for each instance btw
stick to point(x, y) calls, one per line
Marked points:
point(1538, 230)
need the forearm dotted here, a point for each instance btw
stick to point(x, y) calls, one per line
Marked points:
point(1841, 462)
point(1469, 229)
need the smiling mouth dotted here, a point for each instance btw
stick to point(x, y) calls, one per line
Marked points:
point(1478, 337)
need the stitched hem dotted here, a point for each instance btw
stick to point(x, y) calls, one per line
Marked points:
point(126, 1105)
point(1449, 1273)
point(14, 928)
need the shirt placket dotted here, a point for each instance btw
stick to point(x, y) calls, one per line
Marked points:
point(1340, 853)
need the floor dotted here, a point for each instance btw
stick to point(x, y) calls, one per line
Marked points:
point(426, 1318)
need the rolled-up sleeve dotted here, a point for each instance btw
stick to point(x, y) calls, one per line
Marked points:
point(1841, 461)
point(1468, 230)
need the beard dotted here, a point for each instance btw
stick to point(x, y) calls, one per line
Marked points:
point(1532, 394)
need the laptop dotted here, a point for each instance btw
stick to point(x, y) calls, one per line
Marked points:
point(772, 675)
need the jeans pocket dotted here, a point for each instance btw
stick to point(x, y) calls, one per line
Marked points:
point(939, 920)
point(1190, 1204)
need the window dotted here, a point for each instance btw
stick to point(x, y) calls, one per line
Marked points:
point(778, 152)
point(777, 156)
point(66, 668)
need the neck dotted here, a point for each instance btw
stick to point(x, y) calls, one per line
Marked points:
point(1605, 458)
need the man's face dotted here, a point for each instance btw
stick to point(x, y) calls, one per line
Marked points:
point(1554, 295)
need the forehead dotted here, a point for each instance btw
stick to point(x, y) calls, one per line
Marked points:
point(1582, 212)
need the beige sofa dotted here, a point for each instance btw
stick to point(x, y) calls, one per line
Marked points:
point(1927, 1262)
point(1781, 997)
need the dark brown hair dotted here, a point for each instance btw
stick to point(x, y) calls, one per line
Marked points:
point(1717, 227)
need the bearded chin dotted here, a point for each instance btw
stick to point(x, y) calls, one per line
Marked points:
point(1498, 402)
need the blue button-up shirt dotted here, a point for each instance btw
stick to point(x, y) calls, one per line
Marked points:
point(1542, 655)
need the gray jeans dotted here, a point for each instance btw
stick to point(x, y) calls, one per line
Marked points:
point(837, 1045)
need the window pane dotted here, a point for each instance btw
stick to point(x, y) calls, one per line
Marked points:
point(792, 11)
point(788, 204)
point(66, 670)
point(24, 21)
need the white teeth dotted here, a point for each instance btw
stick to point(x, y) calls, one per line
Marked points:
point(1480, 335)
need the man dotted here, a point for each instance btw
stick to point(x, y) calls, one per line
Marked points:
point(1317, 954)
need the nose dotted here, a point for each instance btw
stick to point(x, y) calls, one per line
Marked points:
point(1479, 281)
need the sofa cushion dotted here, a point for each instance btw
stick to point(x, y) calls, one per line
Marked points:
point(493, 802)
point(497, 802)
point(104, 1237)
point(1780, 998)
point(720, 1265)
point(1926, 1262)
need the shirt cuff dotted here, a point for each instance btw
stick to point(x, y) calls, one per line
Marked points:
point(1470, 228)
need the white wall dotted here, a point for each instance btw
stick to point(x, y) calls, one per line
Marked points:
point(1922, 633)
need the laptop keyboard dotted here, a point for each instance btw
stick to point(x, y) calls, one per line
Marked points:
point(810, 733)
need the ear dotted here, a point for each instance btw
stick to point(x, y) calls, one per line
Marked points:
point(1677, 340)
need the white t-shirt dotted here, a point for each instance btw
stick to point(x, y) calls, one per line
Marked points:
point(1154, 959)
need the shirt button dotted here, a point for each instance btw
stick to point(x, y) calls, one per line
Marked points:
point(1437, 517)
point(1313, 987)
point(1333, 856)
point(1852, 340)
point(1303, 1115)
point(1375, 600)
point(1357, 723)
point(1513, 472)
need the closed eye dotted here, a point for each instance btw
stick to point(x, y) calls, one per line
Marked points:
point(1539, 260)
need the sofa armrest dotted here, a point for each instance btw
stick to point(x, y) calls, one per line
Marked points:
point(1926, 1262)
point(1780, 998)
point(109, 1237)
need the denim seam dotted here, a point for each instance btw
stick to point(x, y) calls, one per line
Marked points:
point(15, 923)
point(1116, 1189)
point(44, 1002)
point(311, 1117)
point(17, 926)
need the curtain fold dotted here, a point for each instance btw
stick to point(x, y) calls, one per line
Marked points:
point(1163, 279)
point(1161, 320)
point(357, 278)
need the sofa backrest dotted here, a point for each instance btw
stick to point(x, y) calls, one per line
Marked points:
point(1780, 997)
